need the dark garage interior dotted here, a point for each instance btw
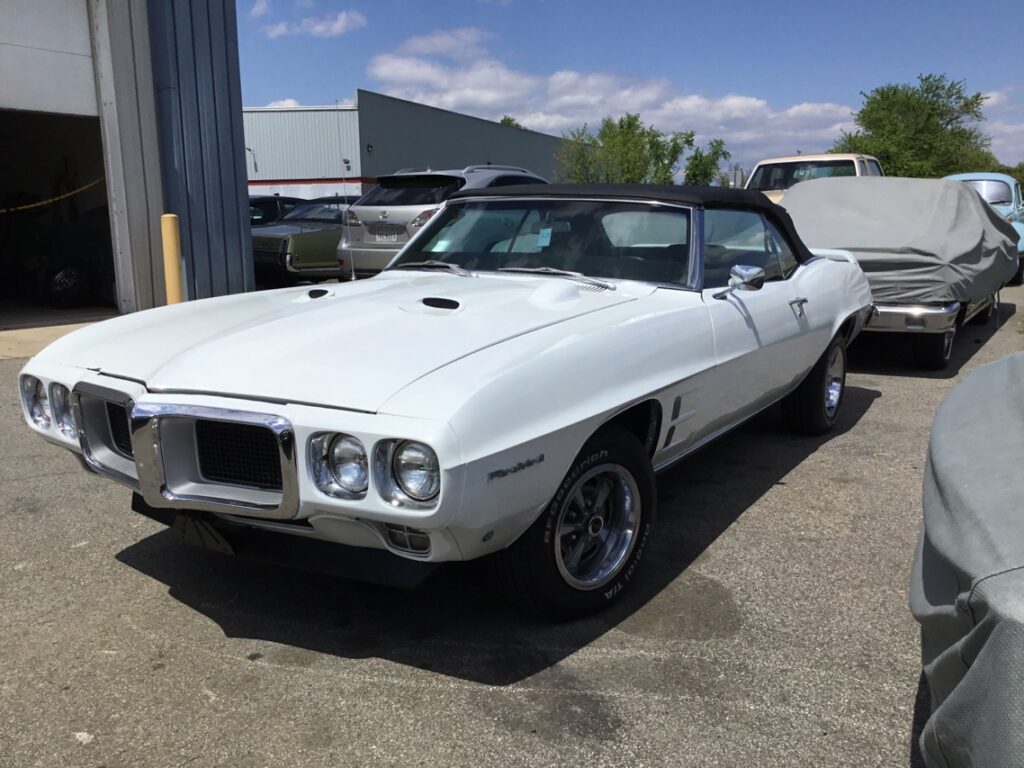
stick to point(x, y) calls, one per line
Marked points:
point(56, 253)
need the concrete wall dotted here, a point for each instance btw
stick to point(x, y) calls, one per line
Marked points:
point(124, 84)
point(45, 57)
point(397, 134)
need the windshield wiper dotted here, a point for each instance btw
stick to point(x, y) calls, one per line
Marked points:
point(434, 264)
point(578, 276)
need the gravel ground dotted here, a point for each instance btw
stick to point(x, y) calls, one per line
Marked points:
point(771, 629)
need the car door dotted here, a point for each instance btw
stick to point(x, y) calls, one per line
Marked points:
point(757, 333)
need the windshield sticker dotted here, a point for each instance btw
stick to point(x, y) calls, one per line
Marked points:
point(544, 237)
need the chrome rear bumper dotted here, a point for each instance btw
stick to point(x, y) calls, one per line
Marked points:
point(914, 319)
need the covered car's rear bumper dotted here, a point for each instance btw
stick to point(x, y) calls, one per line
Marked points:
point(914, 318)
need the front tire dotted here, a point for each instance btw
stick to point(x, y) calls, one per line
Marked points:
point(813, 407)
point(582, 553)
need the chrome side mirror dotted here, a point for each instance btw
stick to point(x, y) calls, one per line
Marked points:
point(743, 277)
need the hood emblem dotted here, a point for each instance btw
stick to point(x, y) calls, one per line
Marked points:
point(383, 214)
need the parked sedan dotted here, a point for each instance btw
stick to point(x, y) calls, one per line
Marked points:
point(506, 388)
point(302, 245)
point(266, 209)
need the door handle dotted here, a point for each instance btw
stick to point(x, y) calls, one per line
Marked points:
point(798, 306)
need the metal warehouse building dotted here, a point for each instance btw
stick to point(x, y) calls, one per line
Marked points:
point(315, 151)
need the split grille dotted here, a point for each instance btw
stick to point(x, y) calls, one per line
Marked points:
point(120, 428)
point(238, 454)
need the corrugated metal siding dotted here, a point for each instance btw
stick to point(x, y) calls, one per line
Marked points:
point(199, 104)
point(302, 143)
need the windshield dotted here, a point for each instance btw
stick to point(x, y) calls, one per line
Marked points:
point(992, 191)
point(317, 211)
point(412, 190)
point(630, 241)
point(785, 175)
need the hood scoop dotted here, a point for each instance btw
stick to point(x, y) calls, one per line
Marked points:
point(440, 303)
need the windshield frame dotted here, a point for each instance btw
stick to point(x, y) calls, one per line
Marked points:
point(1009, 190)
point(438, 220)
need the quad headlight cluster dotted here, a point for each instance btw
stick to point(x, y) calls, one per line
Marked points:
point(406, 472)
point(46, 408)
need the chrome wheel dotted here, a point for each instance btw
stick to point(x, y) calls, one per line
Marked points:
point(834, 378)
point(597, 526)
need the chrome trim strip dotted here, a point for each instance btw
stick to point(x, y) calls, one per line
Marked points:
point(913, 318)
point(148, 420)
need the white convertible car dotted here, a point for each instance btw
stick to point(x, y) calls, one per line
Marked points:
point(508, 386)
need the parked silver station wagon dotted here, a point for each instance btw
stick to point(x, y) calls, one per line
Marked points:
point(382, 221)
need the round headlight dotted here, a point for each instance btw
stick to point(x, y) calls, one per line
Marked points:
point(416, 470)
point(33, 394)
point(60, 398)
point(349, 467)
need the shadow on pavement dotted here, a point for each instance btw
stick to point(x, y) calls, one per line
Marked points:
point(890, 353)
point(922, 711)
point(457, 623)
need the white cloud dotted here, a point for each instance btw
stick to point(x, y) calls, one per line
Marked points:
point(453, 69)
point(259, 8)
point(284, 103)
point(461, 43)
point(325, 26)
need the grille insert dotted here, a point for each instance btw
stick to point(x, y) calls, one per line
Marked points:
point(238, 454)
point(120, 428)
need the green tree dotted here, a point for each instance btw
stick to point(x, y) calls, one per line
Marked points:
point(929, 129)
point(510, 121)
point(622, 151)
point(702, 164)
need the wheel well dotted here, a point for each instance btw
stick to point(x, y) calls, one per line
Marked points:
point(846, 329)
point(642, 420)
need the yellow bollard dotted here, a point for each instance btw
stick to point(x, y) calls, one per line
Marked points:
point(172, 257)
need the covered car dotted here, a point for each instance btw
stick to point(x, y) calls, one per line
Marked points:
point(935, 254)
point(967, 584)
point(507, 387)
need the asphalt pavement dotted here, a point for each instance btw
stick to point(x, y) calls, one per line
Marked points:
point(771, 627)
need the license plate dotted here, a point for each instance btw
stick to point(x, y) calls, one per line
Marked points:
point(387, 237)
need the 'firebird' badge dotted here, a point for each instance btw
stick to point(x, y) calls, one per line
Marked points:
point(499, 473)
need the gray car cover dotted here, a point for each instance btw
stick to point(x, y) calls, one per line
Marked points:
point(919, 241)
point(967, 586)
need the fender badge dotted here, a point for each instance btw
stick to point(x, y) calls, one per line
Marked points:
point(499, 473)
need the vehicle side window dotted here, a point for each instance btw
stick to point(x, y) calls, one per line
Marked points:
point(733, 238)
point(862, 170)
point(875, 168)
point(785, 254)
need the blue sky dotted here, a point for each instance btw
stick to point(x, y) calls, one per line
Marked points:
point(768, 77)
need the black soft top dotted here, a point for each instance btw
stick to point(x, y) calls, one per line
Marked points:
point(700, 197)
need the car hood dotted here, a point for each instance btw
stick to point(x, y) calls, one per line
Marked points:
point(352, 348)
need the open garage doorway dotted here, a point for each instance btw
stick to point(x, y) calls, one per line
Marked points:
point(55, 241)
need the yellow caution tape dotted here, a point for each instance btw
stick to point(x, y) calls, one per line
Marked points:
point(52, 200)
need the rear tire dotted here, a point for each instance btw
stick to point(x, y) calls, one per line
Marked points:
point(813, 407)
point(985, 316)
point(582, 553)
point(933, 350)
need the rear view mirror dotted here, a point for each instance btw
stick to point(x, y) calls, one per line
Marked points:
point(743, 277)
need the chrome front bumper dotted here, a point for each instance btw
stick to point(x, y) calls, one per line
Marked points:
point(913, 319)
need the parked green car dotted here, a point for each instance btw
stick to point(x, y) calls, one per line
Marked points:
point(302, 244)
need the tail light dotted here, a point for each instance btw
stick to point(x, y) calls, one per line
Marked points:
point(423, 218)
point(351, 220)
